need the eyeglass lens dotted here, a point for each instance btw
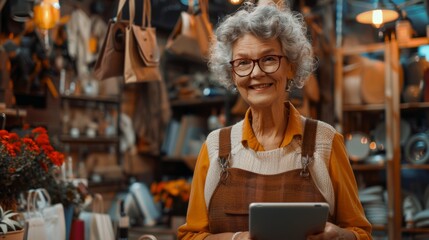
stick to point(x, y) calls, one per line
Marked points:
point(268, 64)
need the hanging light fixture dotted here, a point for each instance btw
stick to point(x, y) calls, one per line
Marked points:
point(378, 16)
point(46, 13)
point(235, 2)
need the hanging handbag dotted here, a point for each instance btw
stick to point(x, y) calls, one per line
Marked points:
point(110, 61)
point(192, 30)
point(141, 48)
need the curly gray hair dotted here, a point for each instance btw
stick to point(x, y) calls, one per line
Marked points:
point(265, 21)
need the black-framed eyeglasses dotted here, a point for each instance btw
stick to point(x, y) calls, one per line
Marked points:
point(268, 64)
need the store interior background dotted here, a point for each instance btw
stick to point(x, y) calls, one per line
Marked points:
point(356, 88)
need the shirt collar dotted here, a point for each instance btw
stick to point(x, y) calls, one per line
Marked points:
point(294, 128)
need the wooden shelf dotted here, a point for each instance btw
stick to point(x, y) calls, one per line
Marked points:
point(363, 107)
point(414, 42)
point(374, 47)
point(378, 227)
point(416, 166)
point(415, 230)
point(414, 105)
point(377, 47)
point(101, 99)
point(381, 107)
point(89, 140)
point(15, 112)
point(367, 167)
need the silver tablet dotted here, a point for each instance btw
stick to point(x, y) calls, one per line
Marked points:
point(292, 221)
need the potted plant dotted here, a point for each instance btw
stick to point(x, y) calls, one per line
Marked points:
point(26, 162)
point(10, 229)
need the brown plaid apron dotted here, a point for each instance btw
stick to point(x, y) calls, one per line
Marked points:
point(237, 188)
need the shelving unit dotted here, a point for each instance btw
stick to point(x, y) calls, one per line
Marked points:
point(392, 113)
point(99, 140)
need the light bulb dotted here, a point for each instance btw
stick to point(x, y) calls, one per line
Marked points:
point(46, 13)
point(235, 2)
point(377, 17)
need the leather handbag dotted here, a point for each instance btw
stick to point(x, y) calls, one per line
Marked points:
point(110, 61)
point(192, 29)
point(141, 48)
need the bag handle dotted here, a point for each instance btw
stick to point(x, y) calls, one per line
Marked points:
point(97, 202)
point(191, 6)
point(146, 16)
point(30, 200)
point(43, 195)
point(204, 6)
point(121, 5)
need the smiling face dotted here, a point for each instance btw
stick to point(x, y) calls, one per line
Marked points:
point(259, 89)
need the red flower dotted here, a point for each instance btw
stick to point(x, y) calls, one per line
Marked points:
point(24, 162)
point(31, 145)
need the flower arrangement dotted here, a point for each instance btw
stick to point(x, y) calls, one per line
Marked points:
point(26, 162)
point(173, 195)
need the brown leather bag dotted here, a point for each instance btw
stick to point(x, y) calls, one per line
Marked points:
point(110, 61)
point(141, 48)
point(192, 30)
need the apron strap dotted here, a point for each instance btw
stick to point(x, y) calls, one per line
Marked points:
point(308, 145)
point(225, 142)
point(309, 139)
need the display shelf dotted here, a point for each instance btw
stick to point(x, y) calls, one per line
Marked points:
point(368, 167)
point(415, 230)
point(415, 166)
point(89, 140)
point(414, 105)
point(414, 42)
point(392, 109)
point(363, 107)
point(101, 99)
point(15, 112)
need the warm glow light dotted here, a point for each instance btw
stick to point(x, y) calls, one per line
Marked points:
point(377, 17)
point(46, 13)
point(235, 2)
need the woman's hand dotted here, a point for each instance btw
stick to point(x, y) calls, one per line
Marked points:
point(333, 232)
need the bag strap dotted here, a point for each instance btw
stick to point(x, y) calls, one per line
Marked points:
point(121, 5)
point(97, 203)
point(191, 6)
point(204, 7)
point(146, 13)
point(308, 145)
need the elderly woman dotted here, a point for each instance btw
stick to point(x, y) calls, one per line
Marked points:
point(262, 51)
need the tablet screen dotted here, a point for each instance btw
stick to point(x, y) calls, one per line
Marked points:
point(292, 221)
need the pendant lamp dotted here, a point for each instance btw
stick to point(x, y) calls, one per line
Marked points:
point(379, 15)
point(46, 13)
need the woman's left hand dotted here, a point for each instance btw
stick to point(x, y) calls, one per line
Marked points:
point(333, 232)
